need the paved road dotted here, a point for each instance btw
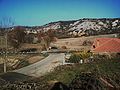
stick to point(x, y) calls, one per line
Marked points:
point(43, 66)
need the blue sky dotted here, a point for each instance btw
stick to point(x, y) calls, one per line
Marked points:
point(40, 12)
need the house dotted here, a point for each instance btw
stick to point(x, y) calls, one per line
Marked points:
point(106, 45)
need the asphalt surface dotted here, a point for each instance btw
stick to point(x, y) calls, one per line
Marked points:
point(42, 67)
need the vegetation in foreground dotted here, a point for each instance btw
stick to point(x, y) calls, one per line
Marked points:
point(106, 68)
point(102, 67)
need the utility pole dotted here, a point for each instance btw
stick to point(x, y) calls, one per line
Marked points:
point(5, 60)
point(1, 47)
point(1, 41)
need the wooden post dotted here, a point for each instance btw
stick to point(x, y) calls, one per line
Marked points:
point(5, 60)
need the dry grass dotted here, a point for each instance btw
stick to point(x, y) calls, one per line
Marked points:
point(77, 43)
point(26, 46)
point(2, 42)
point(35, 59)
point(18, 60)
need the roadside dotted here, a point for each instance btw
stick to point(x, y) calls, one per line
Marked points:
point(42, 67)
point(17, 61)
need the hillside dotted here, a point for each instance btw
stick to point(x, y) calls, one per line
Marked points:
point(81, 27)
point(75, 28)
point(85, 26)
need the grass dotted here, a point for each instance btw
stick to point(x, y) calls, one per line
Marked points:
point(109, 69)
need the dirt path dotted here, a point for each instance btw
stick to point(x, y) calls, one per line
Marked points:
point(46, 65)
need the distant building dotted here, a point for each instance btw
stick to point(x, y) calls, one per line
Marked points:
point(106, 45)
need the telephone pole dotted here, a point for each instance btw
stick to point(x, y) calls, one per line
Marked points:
point(5, 60)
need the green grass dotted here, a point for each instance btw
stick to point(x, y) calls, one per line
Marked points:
point(65, 74)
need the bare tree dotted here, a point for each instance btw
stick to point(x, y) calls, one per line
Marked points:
point(17, 37)
point(5, 24)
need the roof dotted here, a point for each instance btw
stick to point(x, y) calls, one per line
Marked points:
point(111, 45)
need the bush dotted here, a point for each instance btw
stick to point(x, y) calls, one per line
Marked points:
point(87, 43)
point(75, 58)
point(85, 54)
point(64, 47)
point(86, 81)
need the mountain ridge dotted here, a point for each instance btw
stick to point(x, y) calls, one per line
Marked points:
point(88, 26)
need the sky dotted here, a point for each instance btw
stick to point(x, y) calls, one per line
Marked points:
point(40, 12)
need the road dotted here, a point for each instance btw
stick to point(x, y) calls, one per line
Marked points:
point(42, 67)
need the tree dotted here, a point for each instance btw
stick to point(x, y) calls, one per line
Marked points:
point(51, 34)
point(5, 24)
point(46, 37)
point(64, 47)
point(29, 38)
point(75, 58)
point(17, 37)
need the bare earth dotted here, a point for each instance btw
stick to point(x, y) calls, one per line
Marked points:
point(76, 43)
point(26, 46)
point(35, 59)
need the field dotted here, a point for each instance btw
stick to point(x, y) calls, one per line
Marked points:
point(77, 43)
point(27, 46)
point(23, 46)
point(2, 42)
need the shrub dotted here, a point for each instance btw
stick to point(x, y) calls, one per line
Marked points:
point(87, 43)
point(86, 81)
point(75, 58)
point(85, 54)
point(64, 47)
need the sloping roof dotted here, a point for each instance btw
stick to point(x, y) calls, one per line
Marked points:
point(111, 45)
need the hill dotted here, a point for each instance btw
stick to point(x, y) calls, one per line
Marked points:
point(85, 26)
point(81, 26)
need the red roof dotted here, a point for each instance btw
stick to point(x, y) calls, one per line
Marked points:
point(106, 45)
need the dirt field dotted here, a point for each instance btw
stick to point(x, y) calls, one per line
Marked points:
point(19, 60)
point(35, 59)
point(26, 46)
point(2, 42)
point(77, 43)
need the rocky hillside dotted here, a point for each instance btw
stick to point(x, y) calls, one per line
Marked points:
point(85, 26)
point(79, 27)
